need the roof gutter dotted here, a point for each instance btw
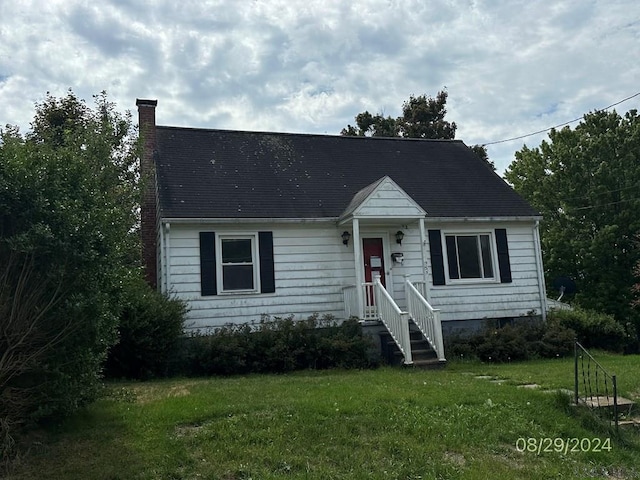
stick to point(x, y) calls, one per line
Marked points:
point(340, 220)
point(513, 218)
point(211, 221)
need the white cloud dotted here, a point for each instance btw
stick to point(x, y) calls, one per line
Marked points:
point(311, 65)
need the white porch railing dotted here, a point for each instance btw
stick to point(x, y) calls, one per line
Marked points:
point(351, 307)
point(425, 317)
point(370, 309)
point(396, 321)
point(421, 287)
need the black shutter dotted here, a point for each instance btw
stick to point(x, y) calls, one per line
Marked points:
point(437, 259)
point(503, 255)
point(267, 274)
point(208, 264)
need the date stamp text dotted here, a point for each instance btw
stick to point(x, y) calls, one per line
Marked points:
point(539, 445)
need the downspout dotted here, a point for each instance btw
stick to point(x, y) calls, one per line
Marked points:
point(539, 267)
point(167, 257)
point(161, 250)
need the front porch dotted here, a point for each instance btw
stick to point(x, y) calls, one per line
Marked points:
point(379, 214)
point(416, 332)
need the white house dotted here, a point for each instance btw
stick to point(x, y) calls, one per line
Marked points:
point(397, 232)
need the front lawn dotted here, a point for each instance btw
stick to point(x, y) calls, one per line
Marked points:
point(385, 423)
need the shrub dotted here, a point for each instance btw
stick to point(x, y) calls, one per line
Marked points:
point(68, 197)
point(502, 345)
point(151, 325)
point(514, 342)
point(592, 329)
point(277, 345)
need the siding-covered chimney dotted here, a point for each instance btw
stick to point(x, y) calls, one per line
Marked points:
point(149, 206)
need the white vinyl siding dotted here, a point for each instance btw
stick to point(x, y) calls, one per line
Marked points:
point(458, 300)
point(312, 265)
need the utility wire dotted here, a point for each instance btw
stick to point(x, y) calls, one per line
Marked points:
point(559, 125)
point(589, 207)
point(605, 192)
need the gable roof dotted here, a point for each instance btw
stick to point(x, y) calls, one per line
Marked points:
point(383, 192)
point(206, 173)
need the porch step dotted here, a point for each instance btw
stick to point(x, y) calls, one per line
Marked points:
point(433, 364)
point(421, 352)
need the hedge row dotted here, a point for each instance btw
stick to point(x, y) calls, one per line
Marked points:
point(553, 338)
point(276, 345)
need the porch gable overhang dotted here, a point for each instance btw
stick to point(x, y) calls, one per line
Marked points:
point(383, 199)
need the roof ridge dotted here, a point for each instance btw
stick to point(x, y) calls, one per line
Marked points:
point(298, 134)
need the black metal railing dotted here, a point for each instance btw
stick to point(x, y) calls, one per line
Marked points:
point(593, 385)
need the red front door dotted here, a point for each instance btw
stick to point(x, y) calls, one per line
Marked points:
point(373, 258)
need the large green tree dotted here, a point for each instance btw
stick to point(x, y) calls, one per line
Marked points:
point(586, 183)
point(68, 216)
point(422, 117)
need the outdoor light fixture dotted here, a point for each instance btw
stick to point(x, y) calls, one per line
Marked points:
point(399, 237)
point(345, 237)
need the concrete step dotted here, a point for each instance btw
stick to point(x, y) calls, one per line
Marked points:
point(629, 423)
point(423, 354)
point(432, 364)
point(601, 401)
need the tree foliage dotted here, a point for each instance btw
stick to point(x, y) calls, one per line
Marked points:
point(68, 216)
point(422, 117)
point(585, 182)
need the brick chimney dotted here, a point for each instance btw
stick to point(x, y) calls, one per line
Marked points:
point(148, 207)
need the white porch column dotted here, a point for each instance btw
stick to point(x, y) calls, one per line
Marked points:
point(357, 254)
point(423, 249)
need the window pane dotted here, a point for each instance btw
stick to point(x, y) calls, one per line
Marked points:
point(237, 250)
point(468, 257)
point(237, 277)
point(487, 264)
point(452, 257)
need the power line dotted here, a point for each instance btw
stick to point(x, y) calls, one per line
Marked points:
point(588, 207)
point(604, 192)
point(559, 125)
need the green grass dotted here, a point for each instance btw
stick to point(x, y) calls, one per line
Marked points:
point(380, 424)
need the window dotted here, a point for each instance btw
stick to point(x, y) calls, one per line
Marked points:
point(238, 262)
point(482, 255)
point(470, 256)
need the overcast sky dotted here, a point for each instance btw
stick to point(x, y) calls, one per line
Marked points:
point(510, 67)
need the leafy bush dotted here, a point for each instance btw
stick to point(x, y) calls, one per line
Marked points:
point(151, 325)
point(278, 345)
point(593, 329)
point(68, 196)
point(514, 342)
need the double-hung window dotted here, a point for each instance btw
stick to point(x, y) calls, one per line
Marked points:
point(470, 256)
point(238, 263)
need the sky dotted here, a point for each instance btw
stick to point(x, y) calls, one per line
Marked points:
point(307, 66)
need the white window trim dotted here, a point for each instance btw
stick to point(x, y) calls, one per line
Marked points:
point(253, 236)
point(494, 257)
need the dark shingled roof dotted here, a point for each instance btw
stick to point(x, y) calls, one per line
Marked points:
point(233, 174)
